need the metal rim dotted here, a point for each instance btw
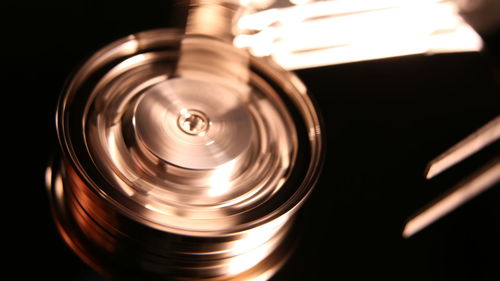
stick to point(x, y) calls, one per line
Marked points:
point(285, 80)
point(99, 213)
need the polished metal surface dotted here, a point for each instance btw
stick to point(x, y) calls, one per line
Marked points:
point(314, 33)
point(183, 159)
point(475, 184)
point(471, 187)
point(481, 138)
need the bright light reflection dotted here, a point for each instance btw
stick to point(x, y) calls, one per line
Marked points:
point(343, 31)
point(258, 236)
point(220, 180)
point(300, 2)
point(48, 177)
point(246, 261)
point(59, 187)
point(256, 246)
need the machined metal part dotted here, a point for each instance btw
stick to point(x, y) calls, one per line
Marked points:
point(475, 184)
point(179, 163)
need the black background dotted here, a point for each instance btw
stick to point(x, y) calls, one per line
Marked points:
point(384, 121)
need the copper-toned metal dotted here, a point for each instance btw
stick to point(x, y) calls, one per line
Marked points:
point(174, 168)
point(462, 193)
point(481, 138)
point(480, 181)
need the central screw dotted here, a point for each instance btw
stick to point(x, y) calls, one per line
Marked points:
point(193, 122)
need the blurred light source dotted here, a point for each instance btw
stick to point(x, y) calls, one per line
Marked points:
point(342, 31)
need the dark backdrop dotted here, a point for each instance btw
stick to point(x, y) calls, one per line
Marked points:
point(384, 121)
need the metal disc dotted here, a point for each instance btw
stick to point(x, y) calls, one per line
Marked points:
point(194, 177)
point(193, 124)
